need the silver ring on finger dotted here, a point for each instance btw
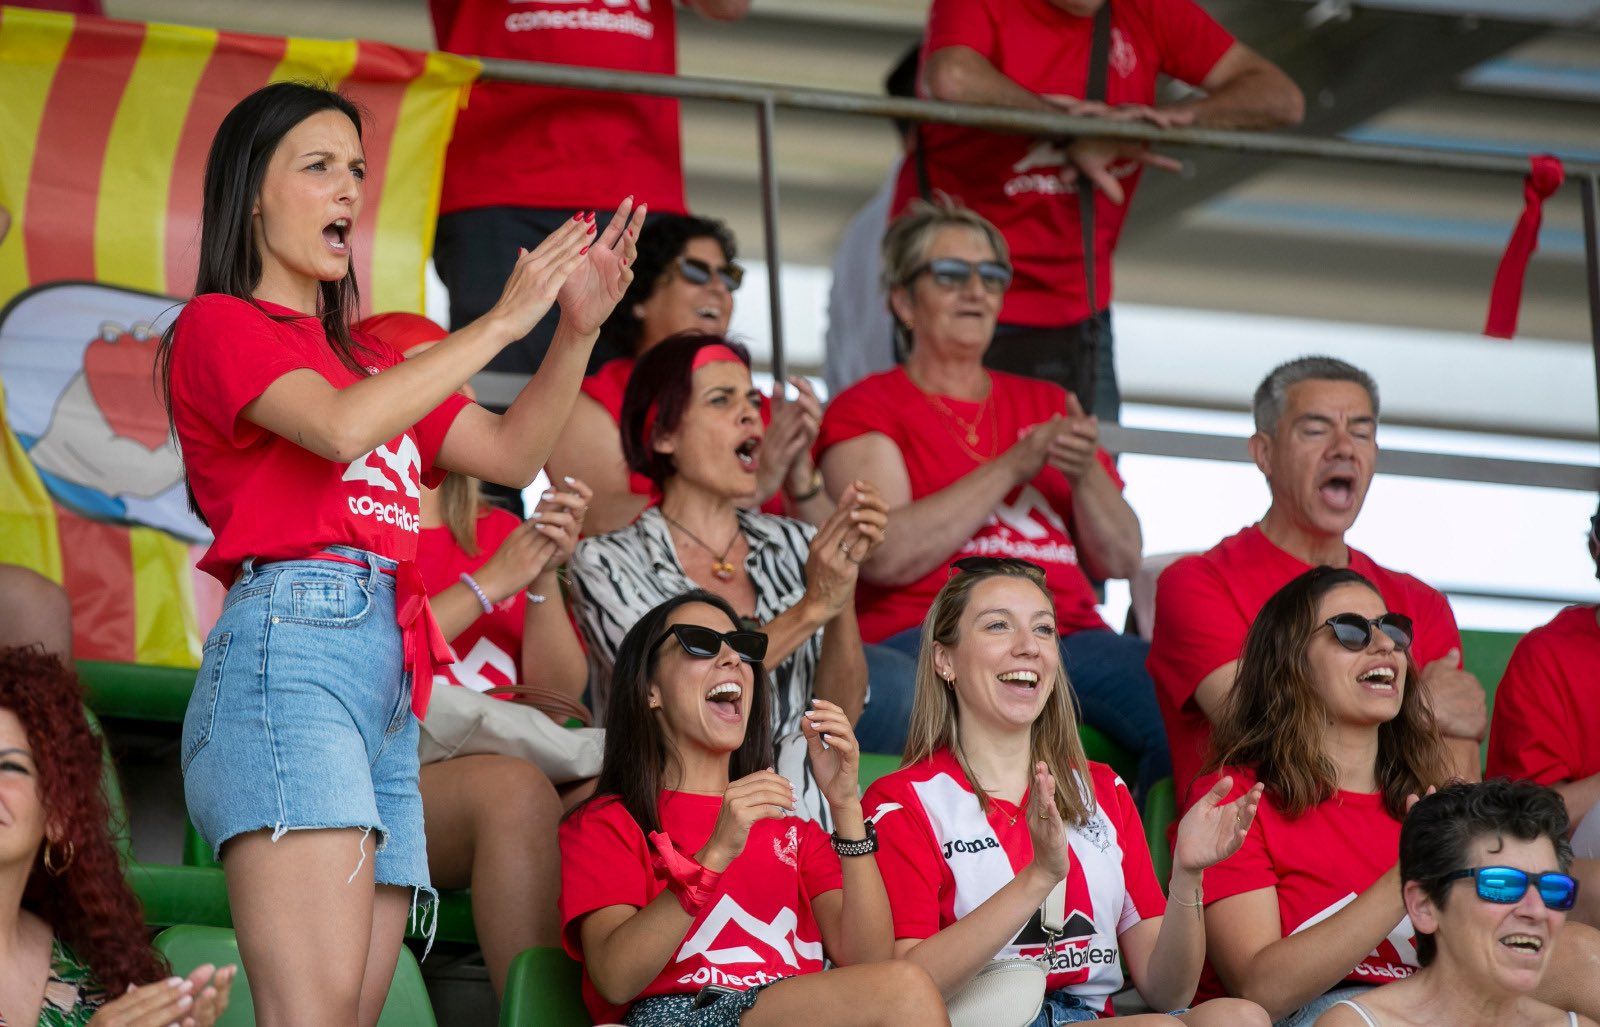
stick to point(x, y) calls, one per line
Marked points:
point(844, 546)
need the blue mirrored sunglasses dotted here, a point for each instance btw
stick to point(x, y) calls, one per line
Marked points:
point(1507, 885)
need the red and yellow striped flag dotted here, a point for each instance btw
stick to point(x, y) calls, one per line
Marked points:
point(105, 126)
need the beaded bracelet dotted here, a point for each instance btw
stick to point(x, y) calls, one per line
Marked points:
point(483, 600)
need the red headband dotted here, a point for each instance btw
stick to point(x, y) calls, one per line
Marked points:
point(715, 353)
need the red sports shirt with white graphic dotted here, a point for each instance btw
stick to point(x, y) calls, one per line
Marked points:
point(1546, 725)
point(1033, 521)
point(489, 651)
point(1318, 862)
point(1016, 181)
point(941, 857)
point(263, 495)
point(1205, 605)
point(757, 929)
point(528, 146)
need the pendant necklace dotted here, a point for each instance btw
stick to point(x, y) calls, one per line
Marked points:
point(721, 566)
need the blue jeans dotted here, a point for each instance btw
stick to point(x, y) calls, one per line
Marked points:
point(891, 687)
point(1063, 1007)
point(1113, 688)
point(301, 715)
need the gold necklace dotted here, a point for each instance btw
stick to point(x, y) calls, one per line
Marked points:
point(967, 437)
point(720, 566)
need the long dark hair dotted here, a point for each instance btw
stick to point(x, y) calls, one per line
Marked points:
point(634, 767)
point(1272, 721)
point(235, 167)
point(88, 903)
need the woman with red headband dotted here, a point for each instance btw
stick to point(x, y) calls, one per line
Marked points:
point(691, 424)
point(305, 446)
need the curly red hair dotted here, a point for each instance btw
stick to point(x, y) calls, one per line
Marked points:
point(90, 905)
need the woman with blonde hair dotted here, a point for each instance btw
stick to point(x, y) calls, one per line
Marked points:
point(985, 856)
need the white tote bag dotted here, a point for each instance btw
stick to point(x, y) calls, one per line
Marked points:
point(462, 722)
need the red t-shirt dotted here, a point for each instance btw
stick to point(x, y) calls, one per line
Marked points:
point(1014, 180)
point(1546, 724)
point(609, 384)
point(942, 856)
point(528, 146)
point(759, 929)
point(1033, 522)
point(1318, 862)
point(262, 495)
point(1205, 605)
point(489, 651)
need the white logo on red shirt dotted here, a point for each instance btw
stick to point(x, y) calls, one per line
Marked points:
point(583, 18)
point(468, 670)
point(788, 851)
point(780, 936)
point(403, 467)
point(1024, 514)
point(1042, 170)
point(1123, 59)
point(1394, 957)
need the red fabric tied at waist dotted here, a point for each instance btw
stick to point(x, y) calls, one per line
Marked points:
point(424, 644)
point(1505, 299)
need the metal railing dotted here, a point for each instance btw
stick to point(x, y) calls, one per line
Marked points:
point(765, 99)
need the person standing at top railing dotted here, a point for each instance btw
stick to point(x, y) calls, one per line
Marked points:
point(1316, 442)
point(1036, 54)
point(523, 157)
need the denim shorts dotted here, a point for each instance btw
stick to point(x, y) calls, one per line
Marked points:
point(301, 715)
point(1307, 1014)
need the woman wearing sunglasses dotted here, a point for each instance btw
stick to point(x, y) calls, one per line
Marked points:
point(1327, 714)
point(1486, 888)
point(692, 426)
point(978, 462)
point(684, 281)
point(691, 892)
point(996, 807)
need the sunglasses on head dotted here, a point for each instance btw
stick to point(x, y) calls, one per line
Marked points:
point(1354, 631)
point(705, 643)
point(982, 564)
point(953, 273)
point(1507, 885)
point(697, 272)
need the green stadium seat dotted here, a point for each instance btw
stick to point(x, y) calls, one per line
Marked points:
point(874, 765)
point(137, 691)
point(173, 895)
point(187, 947)
point(1160, 810)
point(543, 989)
point(1101, 749)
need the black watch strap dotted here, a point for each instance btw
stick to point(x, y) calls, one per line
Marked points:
point(857, 847)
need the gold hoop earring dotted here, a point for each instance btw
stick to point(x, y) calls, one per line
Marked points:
point(51, 867)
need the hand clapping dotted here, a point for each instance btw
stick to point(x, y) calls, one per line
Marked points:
point(1213, 830)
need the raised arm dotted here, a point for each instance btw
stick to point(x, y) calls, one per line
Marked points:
point(341, 424)
point(923, 533)
point(590, 447)
point(957, 952)
point(510, 448)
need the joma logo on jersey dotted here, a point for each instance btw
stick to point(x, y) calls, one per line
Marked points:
point(964, 846)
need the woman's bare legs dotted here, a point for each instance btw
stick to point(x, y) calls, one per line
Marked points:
point(305, 924)
point(491, 825)
point(390, 910)
point(871, 995)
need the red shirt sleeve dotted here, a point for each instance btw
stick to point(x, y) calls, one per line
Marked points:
point(1189, 40)
point(907, 861)
point(1143, 890)
point(604, 862)
point(1197, 629)
point(819, 865)
point(853, 413)
point(225, 353)
point(1437, 632)
point(1250, 868)
point(1530, 735)
point(970, 23)
point(431, 432)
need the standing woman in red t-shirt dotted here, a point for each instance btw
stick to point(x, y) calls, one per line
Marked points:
point(305, 447)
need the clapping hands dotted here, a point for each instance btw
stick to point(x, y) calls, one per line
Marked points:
point(1213, 830)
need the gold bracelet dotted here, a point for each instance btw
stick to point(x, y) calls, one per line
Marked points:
point(1196, 904)
point(810, 493)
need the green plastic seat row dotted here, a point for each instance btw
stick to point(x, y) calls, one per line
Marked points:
point(189, 946)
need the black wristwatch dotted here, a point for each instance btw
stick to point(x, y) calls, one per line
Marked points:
point(857, 847)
